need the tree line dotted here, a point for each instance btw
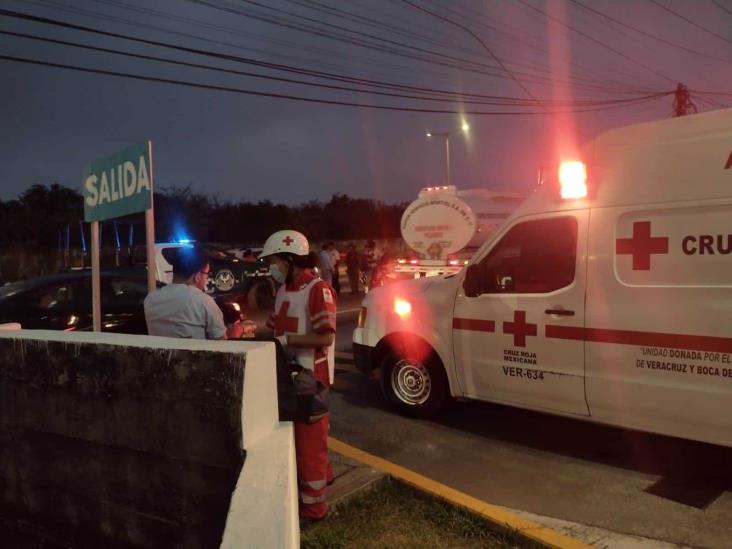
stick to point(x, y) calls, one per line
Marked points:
point(37, 219)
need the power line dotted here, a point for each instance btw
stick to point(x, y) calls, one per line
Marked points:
point(383, 66)
point(374, 23)
point(721, 7)
point(273, 66)
point(648, 34)
point(471, 33)
point(595, 40)
point(494, 102)
point(721, 94)
point(684, 18)
point(289, 97)
point(329, 35)
point(330, 25)
point(710, 102)
point(324, 8)
point(519, 37)
point(322, 33)
point(227, 57)
point(237, 72)
point(529, 78)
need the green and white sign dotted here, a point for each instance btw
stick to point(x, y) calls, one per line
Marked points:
point(118, 185)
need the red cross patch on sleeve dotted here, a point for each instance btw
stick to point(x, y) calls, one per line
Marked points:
point(322, 305)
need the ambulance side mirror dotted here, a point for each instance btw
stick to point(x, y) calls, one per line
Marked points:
point(471, 284)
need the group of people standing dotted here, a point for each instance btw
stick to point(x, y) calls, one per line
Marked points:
point(359, 265)
point(303, 321)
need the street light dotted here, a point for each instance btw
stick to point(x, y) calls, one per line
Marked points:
point(464, 127)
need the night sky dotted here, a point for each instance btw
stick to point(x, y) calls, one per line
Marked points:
point(54, 121)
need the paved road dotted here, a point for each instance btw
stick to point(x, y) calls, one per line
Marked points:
point(645, 485)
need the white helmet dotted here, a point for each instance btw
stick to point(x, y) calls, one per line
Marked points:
point(287, 241)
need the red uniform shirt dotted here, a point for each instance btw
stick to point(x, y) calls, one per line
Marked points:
point(318, 317)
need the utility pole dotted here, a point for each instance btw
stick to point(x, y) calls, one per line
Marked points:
point(683, 104)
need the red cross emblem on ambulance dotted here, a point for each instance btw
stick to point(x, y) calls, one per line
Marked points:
point(642, 245)
point(519, 328)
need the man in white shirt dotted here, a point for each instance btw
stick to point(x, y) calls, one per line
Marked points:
point(326, 263)
point(182, 308)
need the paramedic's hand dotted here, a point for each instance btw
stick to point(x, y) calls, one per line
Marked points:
point(234, 330)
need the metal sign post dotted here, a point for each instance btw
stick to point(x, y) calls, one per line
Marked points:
point(96, 284)
point(113, 187)
point(150, 231)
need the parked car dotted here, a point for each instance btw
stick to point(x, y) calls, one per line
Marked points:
point(63, 302)
point(229, 274)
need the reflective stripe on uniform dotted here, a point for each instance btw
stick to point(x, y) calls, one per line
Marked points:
point(321, 314)
point(314, 484)
point(310, 500)
point(321, 323)
point(321, 359)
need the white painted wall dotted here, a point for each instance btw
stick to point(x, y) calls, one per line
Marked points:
point(259, 415)
point(263, 509)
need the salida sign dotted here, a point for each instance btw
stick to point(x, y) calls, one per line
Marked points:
point(118, 185)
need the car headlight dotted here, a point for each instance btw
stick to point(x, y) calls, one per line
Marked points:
point(362, 317)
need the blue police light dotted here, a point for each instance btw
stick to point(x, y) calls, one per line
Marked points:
point(179, 234)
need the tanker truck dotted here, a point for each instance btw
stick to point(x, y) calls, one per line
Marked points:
point(444, 226)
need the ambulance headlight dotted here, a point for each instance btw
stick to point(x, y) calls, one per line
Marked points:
point(402, 308)
point(573, 179)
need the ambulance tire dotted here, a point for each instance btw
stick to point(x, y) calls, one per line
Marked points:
point(414, 387)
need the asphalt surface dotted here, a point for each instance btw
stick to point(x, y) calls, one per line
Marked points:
point(638, 484)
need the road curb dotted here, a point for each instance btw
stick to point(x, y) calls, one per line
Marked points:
point(492, 513)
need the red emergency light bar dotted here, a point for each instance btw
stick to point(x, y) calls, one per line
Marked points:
point(573, 179)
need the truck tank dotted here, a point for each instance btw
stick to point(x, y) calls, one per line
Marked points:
point(443, 221)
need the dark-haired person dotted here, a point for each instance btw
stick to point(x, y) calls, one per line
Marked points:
point(353, 268)
point(304, 321)
point(335, 256)
point(182, 308)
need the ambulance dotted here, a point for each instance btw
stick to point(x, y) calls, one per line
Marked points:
point(606, 296)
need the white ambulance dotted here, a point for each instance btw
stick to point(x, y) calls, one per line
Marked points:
point(607, 295)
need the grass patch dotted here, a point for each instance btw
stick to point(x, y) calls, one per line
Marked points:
point(394, 516)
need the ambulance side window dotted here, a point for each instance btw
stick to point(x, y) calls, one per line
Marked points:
point(533, 257)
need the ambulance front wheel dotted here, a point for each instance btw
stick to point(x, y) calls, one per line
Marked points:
point(414, 386)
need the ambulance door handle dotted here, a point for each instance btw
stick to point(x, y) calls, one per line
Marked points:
point(559, 312)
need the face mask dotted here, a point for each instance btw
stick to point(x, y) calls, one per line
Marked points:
point(276, 274)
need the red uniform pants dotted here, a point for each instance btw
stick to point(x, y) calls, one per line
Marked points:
point(313, 466)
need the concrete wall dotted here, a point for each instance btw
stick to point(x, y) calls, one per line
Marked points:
point(263, 510)
point(115, 440)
